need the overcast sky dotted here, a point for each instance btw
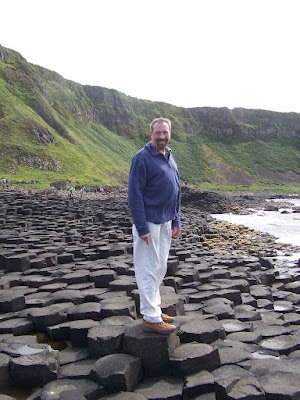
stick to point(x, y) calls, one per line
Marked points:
point(190, 53)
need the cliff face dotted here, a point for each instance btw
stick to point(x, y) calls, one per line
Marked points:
point(242, 124)
point(44, 117)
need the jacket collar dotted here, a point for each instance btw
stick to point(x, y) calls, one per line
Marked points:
point(155, 152)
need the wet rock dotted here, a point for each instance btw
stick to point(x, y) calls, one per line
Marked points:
point(89, 389)
point(34, 370)
point(284, 344)
point(233, 325)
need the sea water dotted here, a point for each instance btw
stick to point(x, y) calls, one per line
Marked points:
point(283, 224)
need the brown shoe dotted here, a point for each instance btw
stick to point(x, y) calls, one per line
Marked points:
point(158, 327)
point(166, 318)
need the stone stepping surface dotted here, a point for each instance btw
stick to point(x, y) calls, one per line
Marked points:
point(70, 323)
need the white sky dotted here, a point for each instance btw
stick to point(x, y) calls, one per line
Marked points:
point(190, 53)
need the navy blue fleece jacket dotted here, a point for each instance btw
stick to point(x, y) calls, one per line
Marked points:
point(153, 189)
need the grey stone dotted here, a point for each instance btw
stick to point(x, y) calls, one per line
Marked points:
point(221, 311)
point(172, 304)
point(34, 370)
point(284, 344)
point(11, 301)
point(292, 318)
point(165, 387)
point(71, 394)
point(17, 326)
point(79, 331)
point(117, 372)
point(239, 389)
point(261, 292)
point(199, 383)
point(153, 349)
point(246, 313)
point(70, 355)
point(63, 296)
point(16, 349)
point(281, 385)
point(284, 306)
point(233, 325)
point(194, 357)
point(79, 369)
point(89, 389)
point(103, 277)
point(124, 396)
point(4, 369)
point(44, 317)
point(117, 308)
point(105, 339)
point(76, 277)
point(18, 262)
point(268, 331)
point(117, 320)
point(59, 331)
point(205, 331)
point(123, 282)
point(247, 337)
point(229, 355)
point(90, 310)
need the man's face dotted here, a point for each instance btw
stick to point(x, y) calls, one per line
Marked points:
point(160, 136)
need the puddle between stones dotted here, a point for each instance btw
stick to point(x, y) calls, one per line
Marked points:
point(43, 338)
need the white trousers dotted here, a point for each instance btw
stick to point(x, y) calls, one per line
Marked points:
point(150, 265)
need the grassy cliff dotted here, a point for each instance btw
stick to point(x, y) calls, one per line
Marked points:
point(52, 128)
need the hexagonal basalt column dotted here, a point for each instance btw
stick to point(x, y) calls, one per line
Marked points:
point(154, 349)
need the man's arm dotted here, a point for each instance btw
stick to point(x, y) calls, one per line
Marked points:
point(136, 184)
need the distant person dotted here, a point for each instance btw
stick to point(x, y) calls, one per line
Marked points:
point(154, 202)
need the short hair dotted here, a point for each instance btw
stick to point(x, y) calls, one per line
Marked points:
point(160, 120)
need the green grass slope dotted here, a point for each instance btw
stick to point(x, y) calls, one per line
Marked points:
point(52, 129)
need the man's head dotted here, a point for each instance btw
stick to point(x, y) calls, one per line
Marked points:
point(160, 129)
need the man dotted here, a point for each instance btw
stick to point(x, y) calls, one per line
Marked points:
point(154, 202)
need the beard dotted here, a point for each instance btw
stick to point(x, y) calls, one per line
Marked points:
point(161, 143)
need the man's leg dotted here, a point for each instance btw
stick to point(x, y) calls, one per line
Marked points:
point(150, 263)
point(164, 244)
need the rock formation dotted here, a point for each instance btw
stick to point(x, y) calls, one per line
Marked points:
point(67, 280)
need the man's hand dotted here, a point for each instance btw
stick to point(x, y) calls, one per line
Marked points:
point(176, 232)
point(146, 237)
